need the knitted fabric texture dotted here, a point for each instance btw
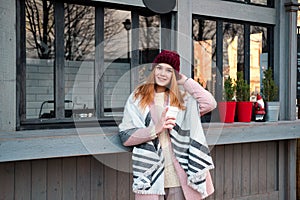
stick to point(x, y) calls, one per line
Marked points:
point(169, 57)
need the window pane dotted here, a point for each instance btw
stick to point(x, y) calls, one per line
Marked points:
point(79, 43)
point(39, 58)
point(117, 74)
point(149, 44)
point(233, 49)
point(204, 38)
point(149, 40)
point(238, 0)
point(261, 2)
point(268, 3)
point(259, 55)
point(298, 18)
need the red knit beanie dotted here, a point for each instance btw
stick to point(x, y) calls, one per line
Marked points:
point(169, 57)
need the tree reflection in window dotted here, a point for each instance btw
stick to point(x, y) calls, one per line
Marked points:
point(233, 49)
point(204, 37)
point(79, 32)
point(39, 29)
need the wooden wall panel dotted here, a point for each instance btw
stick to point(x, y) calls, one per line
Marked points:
point(228, 172)
point(262, 168)
point(298, 151)
point(237, 168)
point(254, 168)
point(54, 179)
point(246, 174)
point(272, 173)
point(23, 180)
point(83, 186)
point(242, 171)
point(123, 176)
point(110, 177)
point(39, 179)
point(212, 172)
point(7, 176)
point(219, 172)
point(69, 167)
point(97, 179)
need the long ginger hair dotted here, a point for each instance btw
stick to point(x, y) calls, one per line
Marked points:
point(146, 92)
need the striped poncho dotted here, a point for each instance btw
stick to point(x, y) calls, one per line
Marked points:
point(188, 144)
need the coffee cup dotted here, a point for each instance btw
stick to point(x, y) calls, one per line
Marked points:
point(172, 111)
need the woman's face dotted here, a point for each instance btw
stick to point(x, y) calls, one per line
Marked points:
point(163, 74)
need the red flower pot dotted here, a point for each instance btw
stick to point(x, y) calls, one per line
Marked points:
point(227, 111)
point(244, 111)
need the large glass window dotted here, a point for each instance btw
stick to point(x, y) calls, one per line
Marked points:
point(80, 68)
point(222, 48)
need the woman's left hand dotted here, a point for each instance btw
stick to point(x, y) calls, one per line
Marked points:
point(182, 79)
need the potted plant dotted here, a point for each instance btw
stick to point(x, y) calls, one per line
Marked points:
point(270, 95)
point(227, 106)
point(244, 105)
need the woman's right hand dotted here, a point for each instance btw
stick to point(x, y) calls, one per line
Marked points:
point(165, 122)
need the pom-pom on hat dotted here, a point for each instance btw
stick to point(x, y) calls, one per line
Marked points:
point(169, 57)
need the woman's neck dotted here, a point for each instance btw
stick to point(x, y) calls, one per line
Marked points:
point(160, 89)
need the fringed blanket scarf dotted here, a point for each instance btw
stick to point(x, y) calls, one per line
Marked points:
point(188, 142)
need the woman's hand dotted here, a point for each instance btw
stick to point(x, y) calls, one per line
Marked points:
point(182, 79)
point(165, 122)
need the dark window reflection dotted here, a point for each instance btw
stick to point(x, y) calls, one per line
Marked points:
point(79, 32)
point(117, 56)
point(39, 29)
point(149, 44)
point(39, 57)
point(79, 43)
point(269, 3)
point(262, 2)
point(204, 41)
point(259, 56)
point(149, 37)
point(233, 49)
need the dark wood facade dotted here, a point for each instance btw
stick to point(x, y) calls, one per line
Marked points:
point(64, 178)
point(257, 170)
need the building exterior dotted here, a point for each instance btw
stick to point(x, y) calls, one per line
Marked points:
point(67, 68)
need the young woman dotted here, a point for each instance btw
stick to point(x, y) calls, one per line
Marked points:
point(170, 155)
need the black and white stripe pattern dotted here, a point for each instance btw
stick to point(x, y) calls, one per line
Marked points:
point(148, 168)
point(189, 146)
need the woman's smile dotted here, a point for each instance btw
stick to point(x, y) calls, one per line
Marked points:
point(162, 78)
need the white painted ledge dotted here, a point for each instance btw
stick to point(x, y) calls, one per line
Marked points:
point(40, 144)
